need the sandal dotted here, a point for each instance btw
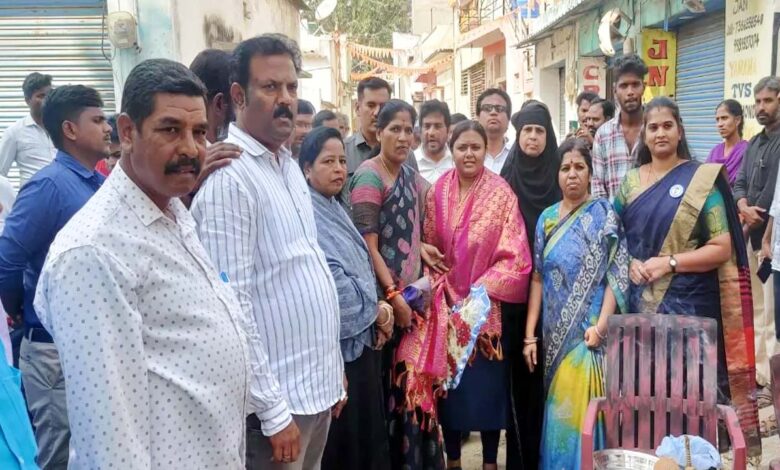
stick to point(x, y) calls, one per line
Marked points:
point(763, 398)
point(768, 427)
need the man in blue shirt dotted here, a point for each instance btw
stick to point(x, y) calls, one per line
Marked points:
point(73, 117)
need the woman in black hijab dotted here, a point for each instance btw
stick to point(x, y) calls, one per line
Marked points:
point(532, 166)
point(532, 171)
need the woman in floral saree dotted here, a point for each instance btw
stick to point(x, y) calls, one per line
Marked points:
point(580, 277)
point(472, 217)
point(387, 199)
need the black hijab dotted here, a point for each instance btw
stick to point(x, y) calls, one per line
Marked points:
point(534, 180)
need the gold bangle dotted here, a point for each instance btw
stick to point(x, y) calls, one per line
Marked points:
point(386, 322)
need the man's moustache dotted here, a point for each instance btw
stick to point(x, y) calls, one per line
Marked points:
point(283, 112)
point(176, 166)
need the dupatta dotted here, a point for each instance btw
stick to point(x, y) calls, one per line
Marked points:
point(484, 242)
point(579, 258)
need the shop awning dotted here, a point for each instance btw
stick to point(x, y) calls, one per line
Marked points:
point(554, 16)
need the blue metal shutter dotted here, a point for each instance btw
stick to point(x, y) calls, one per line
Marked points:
point(701, 50)
point(67, 42)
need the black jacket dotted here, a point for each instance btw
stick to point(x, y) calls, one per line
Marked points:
point(757, 176)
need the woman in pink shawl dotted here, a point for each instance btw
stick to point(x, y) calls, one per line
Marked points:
point(472, 216)
point(730, 122)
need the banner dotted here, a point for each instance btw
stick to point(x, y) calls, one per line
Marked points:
point(376, 52)
point(403, 71)
point(592, 75)
point(748, 45)
point(659, 51)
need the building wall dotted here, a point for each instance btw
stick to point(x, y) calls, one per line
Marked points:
point(519, 66)
point(427, 14)
point(318, 60)
point(404, 87)
point(552, 53)
point(464, 58)
point(202, 24)
point(179, 29)
point(749, 31)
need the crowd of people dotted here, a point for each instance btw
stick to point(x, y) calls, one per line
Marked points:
point(218, 276)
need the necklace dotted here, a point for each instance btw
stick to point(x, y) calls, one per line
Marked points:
point(652, 173)
point(384, 165)
point(656, 177)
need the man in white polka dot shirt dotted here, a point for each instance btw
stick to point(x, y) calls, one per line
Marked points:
point(153, 342)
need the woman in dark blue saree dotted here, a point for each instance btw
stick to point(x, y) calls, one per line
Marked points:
point(687, 252)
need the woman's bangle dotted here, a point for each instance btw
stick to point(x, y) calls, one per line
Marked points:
point(390, 295)
point(598, 333)
point(386, 322)
point(386, 307)
point(532, 340)
point(390, 289)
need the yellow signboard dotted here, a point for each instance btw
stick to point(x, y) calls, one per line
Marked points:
point(748, 48)
point(659, 51)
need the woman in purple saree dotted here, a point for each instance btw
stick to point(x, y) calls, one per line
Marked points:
point(730, 122)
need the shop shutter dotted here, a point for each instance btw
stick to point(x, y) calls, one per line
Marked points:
point(700, 71)
point(68, 43)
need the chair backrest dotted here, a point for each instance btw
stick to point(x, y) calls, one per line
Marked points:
point(661, 378)
point(774, 364)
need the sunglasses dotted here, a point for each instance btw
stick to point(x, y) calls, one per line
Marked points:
point(489, 108)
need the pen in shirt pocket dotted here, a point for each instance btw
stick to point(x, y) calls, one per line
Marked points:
point(223, 275)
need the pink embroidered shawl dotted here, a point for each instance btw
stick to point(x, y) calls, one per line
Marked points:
point(484, 241)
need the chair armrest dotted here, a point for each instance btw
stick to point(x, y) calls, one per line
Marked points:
point(588, 426)
point(729, 416)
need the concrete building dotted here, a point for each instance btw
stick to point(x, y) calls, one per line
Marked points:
point(179, 29)
point(427, 14)
point(487, 54)
point(68, 39)
point(698, 58)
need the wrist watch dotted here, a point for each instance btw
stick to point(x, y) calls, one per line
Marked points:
point(673, 263)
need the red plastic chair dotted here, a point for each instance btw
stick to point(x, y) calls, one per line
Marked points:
point(774, 363)
point(645, 352)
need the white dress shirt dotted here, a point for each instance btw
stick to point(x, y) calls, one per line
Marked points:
point(496, 163)
point(152, 342)
point(432, 170)
point(774, 211)
point(7, 199)
point(27, 144)
point(255, 219)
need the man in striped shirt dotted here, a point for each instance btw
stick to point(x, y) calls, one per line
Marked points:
point(616, 143)
point(256, 220)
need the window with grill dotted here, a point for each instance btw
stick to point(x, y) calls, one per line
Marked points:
point(476, 84)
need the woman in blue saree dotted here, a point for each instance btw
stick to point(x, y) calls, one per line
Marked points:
point(687, 252)
point(580, 278)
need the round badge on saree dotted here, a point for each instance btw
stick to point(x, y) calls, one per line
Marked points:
point(676, 191)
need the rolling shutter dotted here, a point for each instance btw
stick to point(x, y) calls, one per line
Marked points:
point(68, 45)
point(700, 70)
